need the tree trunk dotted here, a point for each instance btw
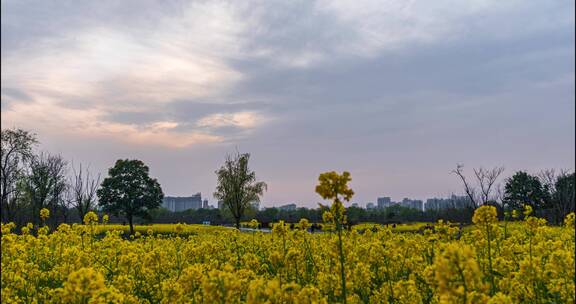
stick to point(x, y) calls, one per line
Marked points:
point(238, 223)
point(131, 225)
point(80, 214)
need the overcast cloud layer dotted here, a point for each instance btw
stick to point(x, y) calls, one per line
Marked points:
point(396, 92)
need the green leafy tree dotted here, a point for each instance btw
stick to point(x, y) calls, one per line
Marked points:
point(564, 195)
point(128, 191)
point(237, 187)
point(523, 188)
point(355, 214)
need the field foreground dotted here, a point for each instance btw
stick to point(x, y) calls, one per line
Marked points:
point(525, 261)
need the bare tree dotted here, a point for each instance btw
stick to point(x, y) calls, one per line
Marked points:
point(16, 152)
point(45, 185)
point(500, 194)
point(82, 192)
point(548, 178)
point(470, 191)
point(486, 179)
point(483, 191)
point(67, 203)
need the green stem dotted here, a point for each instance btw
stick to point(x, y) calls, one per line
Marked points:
point(492, 285)
point(342, 270)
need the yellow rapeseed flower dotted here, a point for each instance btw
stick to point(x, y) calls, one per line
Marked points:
point(44, 214)
point(485, 215)
point(90, 218)
point(533, 263)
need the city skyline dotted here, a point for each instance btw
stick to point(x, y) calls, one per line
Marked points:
point(290, 205)
point(395, 92)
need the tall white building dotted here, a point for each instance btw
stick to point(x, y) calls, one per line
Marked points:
point(180, 203)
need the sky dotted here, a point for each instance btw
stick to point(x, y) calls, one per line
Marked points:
point(396, 92)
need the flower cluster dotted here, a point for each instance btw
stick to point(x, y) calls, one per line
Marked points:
point(44, 214)
point(90, 218)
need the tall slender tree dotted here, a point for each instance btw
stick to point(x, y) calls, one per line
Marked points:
point(237, 186)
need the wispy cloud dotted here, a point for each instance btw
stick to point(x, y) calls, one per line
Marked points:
point(85, 74)
point(240, 119)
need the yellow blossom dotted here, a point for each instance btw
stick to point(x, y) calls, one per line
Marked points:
point(44, 214)
point(90, 218)
point(485, 215)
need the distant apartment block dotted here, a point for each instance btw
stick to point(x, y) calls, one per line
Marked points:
point(179, 203)
point(456, 202)
point(414, 204)
point(384, 202)
point(370, 205)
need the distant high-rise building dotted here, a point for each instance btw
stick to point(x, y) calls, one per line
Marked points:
point(355, 205)
point(384, 202)
point(414, 204)
point(178, 203)
point(205, 204)
point(370, 205)
point(220, 204)
point(434, 204)
point(410, 203)
point(418, 204)
point(454, 201)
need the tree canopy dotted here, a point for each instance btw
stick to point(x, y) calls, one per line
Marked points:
point(563, 198)
point(523, 188)
point(129, 191)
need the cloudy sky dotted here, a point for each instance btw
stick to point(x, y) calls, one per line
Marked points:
point(396, 92)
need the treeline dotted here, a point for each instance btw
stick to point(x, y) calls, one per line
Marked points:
point(551, 194)
point(31, 181)
point(355, 215)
